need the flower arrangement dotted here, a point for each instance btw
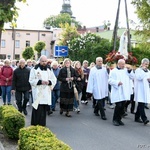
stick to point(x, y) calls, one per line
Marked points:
point(114, 56)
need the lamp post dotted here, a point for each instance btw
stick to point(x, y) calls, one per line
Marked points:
point(14, 39)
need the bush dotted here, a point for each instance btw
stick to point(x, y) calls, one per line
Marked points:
point(11, 120)
point(39, 138)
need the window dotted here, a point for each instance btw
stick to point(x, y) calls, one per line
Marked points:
point(3, 43)
point(43, 34)
point(17, 56)
point(2, 56)
point(27, 43)
point(27, 33)
point(17, 44)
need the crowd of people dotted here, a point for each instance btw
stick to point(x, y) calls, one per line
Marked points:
point(71, 83)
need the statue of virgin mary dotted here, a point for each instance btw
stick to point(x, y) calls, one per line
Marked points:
point(123, 46)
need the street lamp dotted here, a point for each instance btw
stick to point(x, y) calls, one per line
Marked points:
point(14, 39)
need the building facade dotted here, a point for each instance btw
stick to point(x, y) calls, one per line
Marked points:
point(14, 41)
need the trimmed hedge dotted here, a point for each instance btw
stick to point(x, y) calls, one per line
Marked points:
point(11, 120)
point(39, 138)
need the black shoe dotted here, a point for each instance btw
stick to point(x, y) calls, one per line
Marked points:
point(146, 107)
point(132, 112)
point(125, 114)
point(104, 118)
point(146, 122)
point(116, 123)
point(121, 123)
point(97, 114)
point(49, 112)
point(25, 112)
point(138, 120)
point(61, 112)
point(53, 109)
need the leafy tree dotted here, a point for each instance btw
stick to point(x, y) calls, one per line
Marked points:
point(8, 13)
point(56, 21)
point(69, 32)
point(39, 46)
point(143, 13)
point(28, 53)
point(88, 46)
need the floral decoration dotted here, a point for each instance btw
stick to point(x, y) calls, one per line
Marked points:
point(114, 56)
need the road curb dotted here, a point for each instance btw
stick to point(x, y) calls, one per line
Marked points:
point(1, 146)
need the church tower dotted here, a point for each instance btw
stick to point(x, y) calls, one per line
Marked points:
point(66, 7)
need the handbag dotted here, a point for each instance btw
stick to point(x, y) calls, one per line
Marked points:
point(75, 92)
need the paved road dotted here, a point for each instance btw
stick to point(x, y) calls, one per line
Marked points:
point(85, 131)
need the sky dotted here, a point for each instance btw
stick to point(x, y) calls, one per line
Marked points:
point(90, 13)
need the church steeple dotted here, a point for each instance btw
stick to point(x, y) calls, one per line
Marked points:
point(66, 7)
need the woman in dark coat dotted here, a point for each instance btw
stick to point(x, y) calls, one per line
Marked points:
point(67, 76)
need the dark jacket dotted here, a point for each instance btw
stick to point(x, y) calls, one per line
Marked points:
point(79, 84)
point(20, 80)
point(64, 87)
point(56, 73)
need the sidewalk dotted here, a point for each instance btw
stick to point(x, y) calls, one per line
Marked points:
point(1, 146)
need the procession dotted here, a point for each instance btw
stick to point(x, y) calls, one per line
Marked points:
point(74, 75)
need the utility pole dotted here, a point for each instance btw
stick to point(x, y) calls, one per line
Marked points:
point(127, 20)
point(116, 27)
point(114, 38)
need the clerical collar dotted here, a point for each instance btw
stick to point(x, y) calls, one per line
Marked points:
point(41, 67)
point(145, 70)
point(118, 68)
point(98, 67)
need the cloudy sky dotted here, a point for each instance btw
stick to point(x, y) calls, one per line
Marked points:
point(88, 12)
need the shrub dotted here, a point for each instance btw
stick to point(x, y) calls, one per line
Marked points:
point(11, 120)
point(39, 138)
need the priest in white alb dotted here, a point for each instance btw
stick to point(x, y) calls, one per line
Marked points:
point(142, 90)
point(98, 86)
point(119, 79)
point(42, 81)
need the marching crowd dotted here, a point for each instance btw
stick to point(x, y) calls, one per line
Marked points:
point(72, 82)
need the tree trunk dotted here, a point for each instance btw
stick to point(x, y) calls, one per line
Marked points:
point(1, 29)
point(0, 39)
point(116, 26)
point(127, 20)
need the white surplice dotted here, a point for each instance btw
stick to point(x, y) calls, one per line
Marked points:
point(142, 86)
point(122, 92)
point(98, 83)
point(41, 93)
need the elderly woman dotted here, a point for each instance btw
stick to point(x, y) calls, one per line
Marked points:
point(67, 75)
point(6, 81)
point(56, 89)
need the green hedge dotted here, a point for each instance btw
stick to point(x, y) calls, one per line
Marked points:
point(11, 120)
point(39, 138)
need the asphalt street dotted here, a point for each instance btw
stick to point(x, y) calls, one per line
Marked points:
point(85, 131)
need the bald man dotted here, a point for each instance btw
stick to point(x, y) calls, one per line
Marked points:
point(121, 88)
point(42, 81)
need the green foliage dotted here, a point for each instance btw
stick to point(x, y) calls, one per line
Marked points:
point(39, 46)
point(28, 53)
point(11, 120)
point(56, 21)
point(39, 138)
point(8, 11)
point(142, 51)
point(88, 47)
point(68, 33)
point(143, 12)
